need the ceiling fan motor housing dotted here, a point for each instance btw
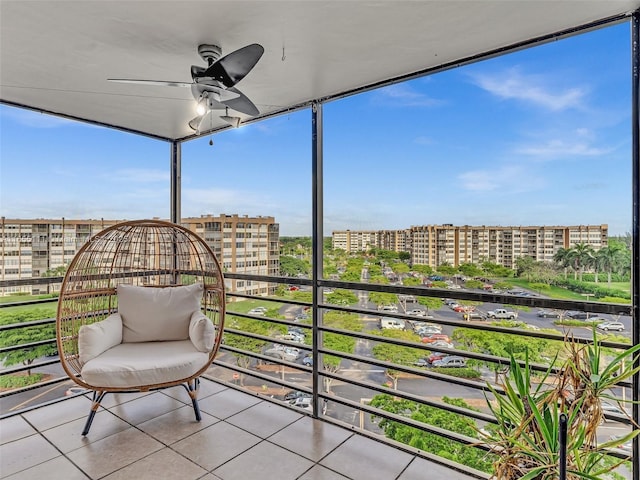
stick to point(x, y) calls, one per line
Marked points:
point(209, 53)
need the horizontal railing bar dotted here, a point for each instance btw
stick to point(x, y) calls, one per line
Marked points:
point(34, 386)
point(22, 346)
point(32, 323)
point(28, 302)
point(24, 368)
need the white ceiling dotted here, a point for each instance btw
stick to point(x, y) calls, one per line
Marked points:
point(56, 56)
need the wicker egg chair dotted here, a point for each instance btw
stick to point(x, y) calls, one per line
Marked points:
point(141, 307)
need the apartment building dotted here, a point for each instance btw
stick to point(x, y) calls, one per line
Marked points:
point(243, 244)
point(31, 247)
point(435, 245)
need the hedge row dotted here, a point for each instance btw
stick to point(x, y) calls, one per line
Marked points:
point(597, 291)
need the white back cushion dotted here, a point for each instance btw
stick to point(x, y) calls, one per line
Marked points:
point(151, 314)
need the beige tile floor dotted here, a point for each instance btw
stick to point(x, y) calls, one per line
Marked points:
point(154, 436)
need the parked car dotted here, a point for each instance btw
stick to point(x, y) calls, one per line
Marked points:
point(289, 356)
point(292, 337)
point(441, 344)
point(436, 356)
point(578, 315)
point(606, 326)
point(474, 316)
point(258, 311)
point(450, 361)
point(417, 312)
point(611, 408)
point(422, 325)
point(297, 394)
point(426, 331)
point(547, 314)
point(308, 361)
point(422, 362)
point(463, 308)
point(435, 337)
point(302, 316)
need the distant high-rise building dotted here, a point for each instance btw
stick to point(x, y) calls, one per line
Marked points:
point(435, 245)
point(31, 247)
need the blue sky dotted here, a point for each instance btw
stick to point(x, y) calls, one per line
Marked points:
point(537, 137)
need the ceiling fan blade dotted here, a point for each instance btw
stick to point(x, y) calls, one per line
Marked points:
point(160, 83)
point(232, 68)
point(241, 104)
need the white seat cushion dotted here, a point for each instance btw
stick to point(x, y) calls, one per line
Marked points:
point(135, 365)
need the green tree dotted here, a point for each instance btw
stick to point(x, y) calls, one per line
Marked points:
point(612, 258)
point(446, 269)
point(473, 284)
point(396, 353)
point(404, 256)
point(430, 303)
point(381, 298)
point(432, 442)
point(581, 256)
point(56, 272)
point(411, 281)
point(341, 296)
point(338, 342)
point(350, 276)
point(563, 259)
point(470, 270)
point(425, 270)
point(20, 336)
point(292, 266)
point(400, 267)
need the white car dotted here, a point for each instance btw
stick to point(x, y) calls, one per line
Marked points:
point(606, 326)
point(451, 361)
point(258, 311)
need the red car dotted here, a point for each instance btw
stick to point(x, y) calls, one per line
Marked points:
point(435, 337)
point(436, 356)
point(463, 309)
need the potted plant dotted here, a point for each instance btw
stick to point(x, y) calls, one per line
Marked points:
point(526, 437)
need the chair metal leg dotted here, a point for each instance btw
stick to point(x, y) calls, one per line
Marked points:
point(192, 389)
point(97, 398)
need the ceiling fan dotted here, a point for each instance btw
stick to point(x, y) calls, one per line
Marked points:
point(213, 86)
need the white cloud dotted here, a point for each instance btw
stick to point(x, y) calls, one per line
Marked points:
point(424, 140)
point(32, 119)
point(507, 179)
point(561, 148)
point(139, 175)
point(537, 89)
point(402, 95)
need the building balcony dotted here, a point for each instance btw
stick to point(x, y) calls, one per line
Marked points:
point(154, 435)
point(249, 430)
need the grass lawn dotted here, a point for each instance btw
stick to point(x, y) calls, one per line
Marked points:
point(48, 306)
point(551, 292)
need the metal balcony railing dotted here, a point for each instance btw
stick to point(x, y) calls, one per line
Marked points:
point(341, 390)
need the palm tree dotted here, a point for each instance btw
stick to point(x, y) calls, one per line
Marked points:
point(581, 256)
point(563, 258)
point(612, 258)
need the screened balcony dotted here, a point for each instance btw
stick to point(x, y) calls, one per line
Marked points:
point(342, 433)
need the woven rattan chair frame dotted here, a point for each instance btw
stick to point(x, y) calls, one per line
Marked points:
point(148, 253)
